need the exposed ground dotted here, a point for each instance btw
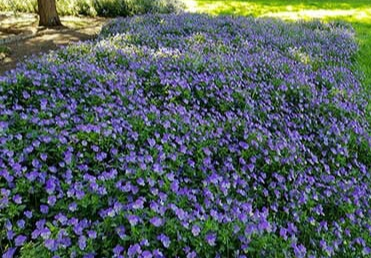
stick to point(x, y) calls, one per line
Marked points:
point(28, 39)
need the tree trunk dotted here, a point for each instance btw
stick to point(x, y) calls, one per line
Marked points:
point(48, 13)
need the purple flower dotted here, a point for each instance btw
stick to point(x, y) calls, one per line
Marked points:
point(50, 244)
point(192, 254)
point(10, 234)
point(43, 156)
point(118, 250)
point(52, 200)
point(264, 225)
point(44, 209)
point(133, 220)
point(19, 240)
point(251, 167)
point(17, 199)
point(26, 95)
point(9, 253)
point(92, 234)
point(196, 230)
point(366, 250)
point(207, 152)
point(158, 254)
point(50, 186)
point(144, 242)
point(299, 250)
point(158, 168)
point(21, 223)
point(121, 232)
point(165, 240)
point(134, 249)
point(111, 212)
point(45, 233)
point(138, 204)
point(156, 221)
point(243, 145)
point(82, 242)
point(151, 142)
point(61, 218)
point(210, 239)
point(147, 254)
point(283, 233)
point(72, 207)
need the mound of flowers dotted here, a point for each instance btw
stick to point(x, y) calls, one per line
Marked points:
point(188, 136)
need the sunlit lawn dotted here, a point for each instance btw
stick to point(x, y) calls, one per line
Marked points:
point(357, 12)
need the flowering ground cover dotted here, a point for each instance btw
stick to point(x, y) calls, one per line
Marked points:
point(357, 13)
point(188, 136)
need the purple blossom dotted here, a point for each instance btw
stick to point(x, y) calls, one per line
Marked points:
point(118, 250)
point(151, 142)
point(121, 232)
point(19, 240)
point(138, 204)
point(134, 249)
point(9, 253)
point(147, 254)
point(283, 233)
point(44, 209)
point(165, 240)
point(92, 234)
point(21, 223)
point(243, 145)
point(52, 200)
point(156, 221)
point(10, 234)
point(157, 168)
point(196, 230)
point(17, 199)
point(210, 239)
point(50, 244)
point(45, 233)
point(82, 242)
point(72, 206)
point(299, 250)
point(133, 220)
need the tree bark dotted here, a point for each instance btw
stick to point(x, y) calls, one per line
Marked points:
point(48, 13)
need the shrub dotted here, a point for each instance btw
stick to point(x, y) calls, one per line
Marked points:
point(110, 8)
point(18, 6)
point(188, 136)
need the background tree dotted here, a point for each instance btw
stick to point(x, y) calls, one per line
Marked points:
point(47, 10)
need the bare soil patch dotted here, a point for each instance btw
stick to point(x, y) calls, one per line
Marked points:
point(27, 39)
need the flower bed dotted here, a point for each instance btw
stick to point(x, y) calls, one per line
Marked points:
point(188, 136)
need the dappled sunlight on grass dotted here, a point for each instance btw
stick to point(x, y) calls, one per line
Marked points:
point(260, 7)
point(351, 14)
point(292, 10)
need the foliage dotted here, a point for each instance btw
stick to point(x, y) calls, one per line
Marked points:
point(188, 136)
point(110, 8)
point(18, 6)
point(5, 50)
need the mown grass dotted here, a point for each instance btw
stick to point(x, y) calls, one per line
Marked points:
point(357, 13)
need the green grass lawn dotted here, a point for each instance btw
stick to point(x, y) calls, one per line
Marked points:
point(356, 12)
